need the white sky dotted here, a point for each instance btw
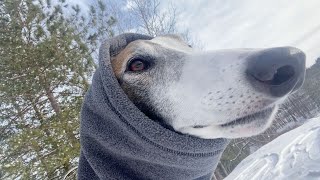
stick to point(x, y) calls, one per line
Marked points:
point(221, 24)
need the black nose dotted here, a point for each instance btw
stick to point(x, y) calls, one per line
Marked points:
point(278, 71)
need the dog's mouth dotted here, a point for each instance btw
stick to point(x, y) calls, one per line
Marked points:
point(261, 115)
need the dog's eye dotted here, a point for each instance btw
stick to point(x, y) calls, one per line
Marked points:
point(137, 65)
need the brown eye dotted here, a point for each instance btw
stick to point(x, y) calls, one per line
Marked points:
point(137, 65)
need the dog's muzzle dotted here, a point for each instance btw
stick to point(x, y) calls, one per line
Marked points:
point(277, 71)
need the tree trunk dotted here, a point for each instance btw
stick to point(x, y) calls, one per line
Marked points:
point(53, 100)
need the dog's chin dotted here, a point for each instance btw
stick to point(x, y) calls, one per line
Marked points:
point(249, 125)
point(246, 126)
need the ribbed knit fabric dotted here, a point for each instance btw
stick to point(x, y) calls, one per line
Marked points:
point(119, 142)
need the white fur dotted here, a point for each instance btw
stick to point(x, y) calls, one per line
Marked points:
point(172, 43)
point(212, 91)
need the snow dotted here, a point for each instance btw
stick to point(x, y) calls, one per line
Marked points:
point(293, 155)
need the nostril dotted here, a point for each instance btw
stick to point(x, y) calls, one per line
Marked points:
point(276, 71)
point(277, 76)
point(282, 75)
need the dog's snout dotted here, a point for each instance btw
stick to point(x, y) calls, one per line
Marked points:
point(280, 70)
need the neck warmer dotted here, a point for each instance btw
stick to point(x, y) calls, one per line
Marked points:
point(118, 141)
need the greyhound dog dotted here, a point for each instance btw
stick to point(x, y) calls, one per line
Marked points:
point(214, 94)
point(158, 109)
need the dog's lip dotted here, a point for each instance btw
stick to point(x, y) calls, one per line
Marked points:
point(250, 118)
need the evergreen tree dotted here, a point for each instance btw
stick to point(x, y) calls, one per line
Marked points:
point(46, 59)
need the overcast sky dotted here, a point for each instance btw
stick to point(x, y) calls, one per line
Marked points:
point(254, 23)
point(221, 24)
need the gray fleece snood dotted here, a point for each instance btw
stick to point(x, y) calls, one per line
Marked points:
point(119, 142)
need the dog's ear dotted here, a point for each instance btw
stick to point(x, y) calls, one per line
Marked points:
point(111, 47)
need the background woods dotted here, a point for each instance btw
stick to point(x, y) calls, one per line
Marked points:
point(46, 52)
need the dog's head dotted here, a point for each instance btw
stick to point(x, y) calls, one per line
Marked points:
point(225, 93)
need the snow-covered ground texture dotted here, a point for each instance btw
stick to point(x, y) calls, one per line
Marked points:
point(294, 155)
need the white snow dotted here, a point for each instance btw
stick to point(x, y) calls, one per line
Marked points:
point(294, 155)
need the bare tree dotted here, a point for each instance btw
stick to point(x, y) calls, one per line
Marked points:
point(152, 20)
point(144, 16)
point(148, 17)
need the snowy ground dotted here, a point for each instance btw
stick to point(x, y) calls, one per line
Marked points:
point(293, 155)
